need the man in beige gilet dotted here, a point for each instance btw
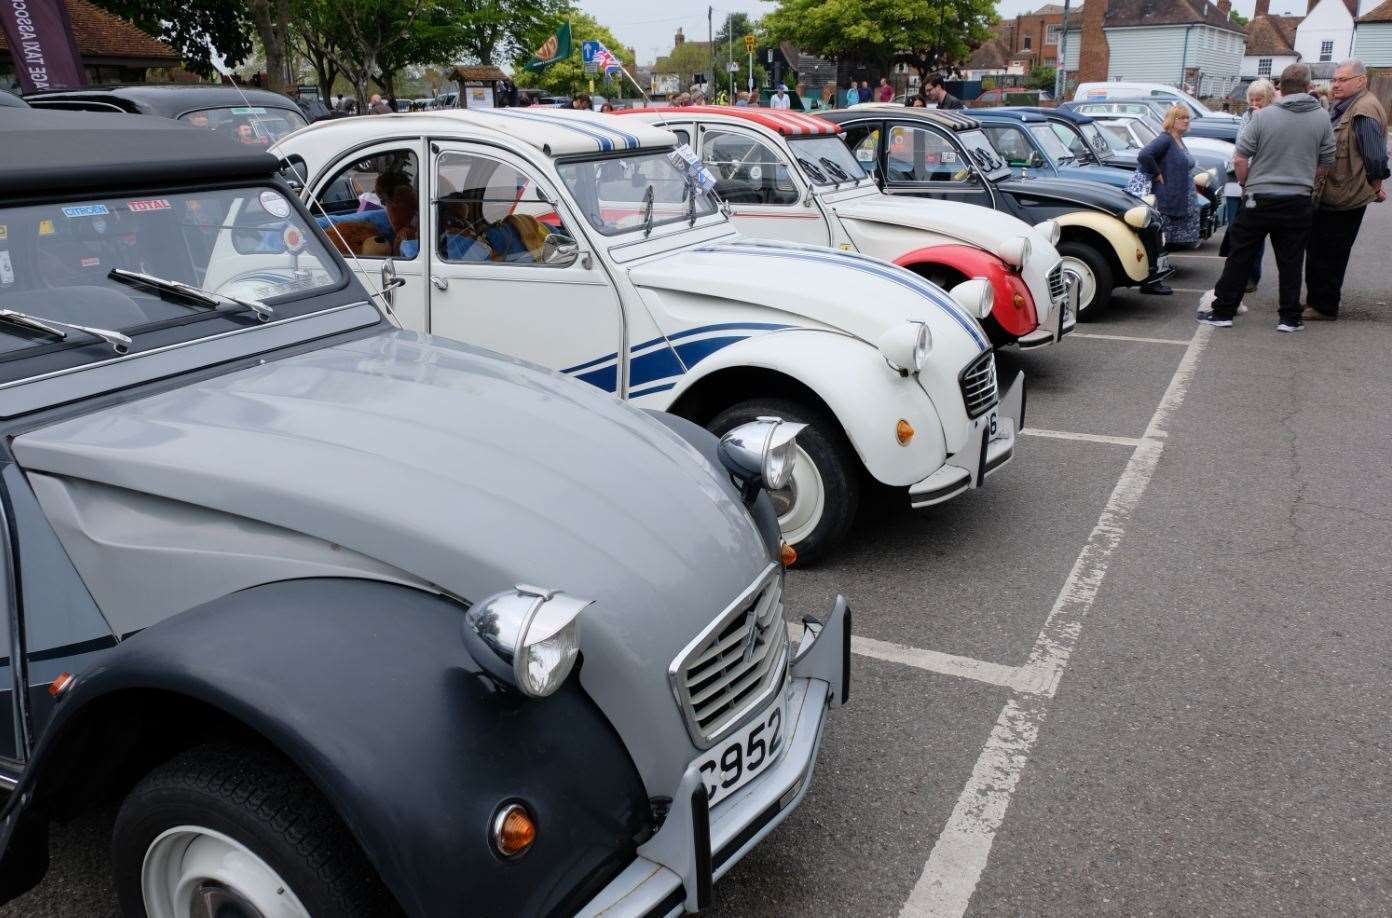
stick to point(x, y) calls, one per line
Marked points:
point(1354, 182)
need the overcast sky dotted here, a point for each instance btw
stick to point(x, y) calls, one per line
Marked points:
point(648, 26)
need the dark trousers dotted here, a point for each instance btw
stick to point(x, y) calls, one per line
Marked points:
point(1286, 219)
point(1332, 233)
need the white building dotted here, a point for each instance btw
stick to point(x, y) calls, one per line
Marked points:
point(1326, 32)
point(1270, 45)
point(1188, 43)
point(1373, 37)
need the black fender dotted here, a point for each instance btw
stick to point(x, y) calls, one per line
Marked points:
point(708, 444)
point(368, 689)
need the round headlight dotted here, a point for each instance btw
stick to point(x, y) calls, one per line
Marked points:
point(528, 637)
point(1138, 216)
point(761, 453)
point(976, 296)
point(1015, 251)
point(1202, 179)
point(906, 345)
point(1050, 231)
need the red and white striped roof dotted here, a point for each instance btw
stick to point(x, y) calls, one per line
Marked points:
point(783, 121)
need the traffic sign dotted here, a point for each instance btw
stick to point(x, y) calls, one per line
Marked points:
point(749, 44)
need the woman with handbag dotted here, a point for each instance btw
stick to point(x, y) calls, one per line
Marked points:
point(1167, 163)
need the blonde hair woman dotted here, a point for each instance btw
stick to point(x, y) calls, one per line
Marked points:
point(1260, 94)
point(1168, 165)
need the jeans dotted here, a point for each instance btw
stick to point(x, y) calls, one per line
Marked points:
point(1332, 233)
point(1286, 219)
point(1232, 205)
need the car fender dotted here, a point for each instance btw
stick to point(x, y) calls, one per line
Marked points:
point(1126, 245)
point(866, 396)
point(1016, 317)
point(368, 689)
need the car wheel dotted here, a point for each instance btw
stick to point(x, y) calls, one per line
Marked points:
point(233, 831)
point(1094, 276)
point(817, 507)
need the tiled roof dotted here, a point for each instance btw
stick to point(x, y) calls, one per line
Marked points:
point(1056, 9)
point(100, 35)
point(992, 55)
point(1125, 13)
point(1381, 13)
point(484, 74)
point(1267, 37)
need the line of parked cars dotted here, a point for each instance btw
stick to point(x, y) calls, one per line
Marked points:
point(396, 510)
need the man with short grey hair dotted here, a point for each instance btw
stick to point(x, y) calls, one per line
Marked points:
point(1279, 155)
point(1355, 181)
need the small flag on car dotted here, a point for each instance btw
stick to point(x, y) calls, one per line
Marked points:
point(599, 59)
point(554, 50)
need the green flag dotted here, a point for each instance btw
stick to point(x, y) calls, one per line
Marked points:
point(553, 50)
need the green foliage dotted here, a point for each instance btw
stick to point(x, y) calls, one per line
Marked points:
point(930, 36)
point(1040, 77)
point(1239, 19)
point(195, 28)
point(568, 77)
point(500, 30)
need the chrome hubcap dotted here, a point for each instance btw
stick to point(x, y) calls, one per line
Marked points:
point(196, 872)
point(800, 505)
point(1086, 280)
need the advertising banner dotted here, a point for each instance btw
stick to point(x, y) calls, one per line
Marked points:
point(42, 46)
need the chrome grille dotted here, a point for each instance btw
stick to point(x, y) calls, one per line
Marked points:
point(1058, 285)
point(979, 385)
point(735, 664)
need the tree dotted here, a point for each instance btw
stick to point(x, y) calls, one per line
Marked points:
point(502, 29)
point(568, 77)
point(928, 36)
point(197, 29)
point(1239, 19)
point(1040, 77)
point(272, 21)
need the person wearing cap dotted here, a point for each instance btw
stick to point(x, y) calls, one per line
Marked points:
point(780, 99)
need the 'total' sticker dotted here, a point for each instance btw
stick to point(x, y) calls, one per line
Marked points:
point(91, 262)
point(275, 205)
point(148, 205)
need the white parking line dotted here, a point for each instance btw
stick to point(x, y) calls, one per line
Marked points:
point(945, 888)
point(1196, 255)
point(934, 661)
point(1085, 437)
point(1180, 341)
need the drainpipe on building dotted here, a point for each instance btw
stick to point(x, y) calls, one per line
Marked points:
point(1184, 58)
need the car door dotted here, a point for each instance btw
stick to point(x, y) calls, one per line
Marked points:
point(10, 744)
point(370, 203)
point(496, 278)
point(765, 192)
point(925, 163)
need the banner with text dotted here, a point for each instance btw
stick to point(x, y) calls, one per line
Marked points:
point(42, 46)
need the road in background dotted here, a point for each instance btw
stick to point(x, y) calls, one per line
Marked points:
point(1218, 742)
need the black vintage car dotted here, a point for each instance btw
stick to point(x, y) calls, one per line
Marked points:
point(251, 117)
point(1107, 238)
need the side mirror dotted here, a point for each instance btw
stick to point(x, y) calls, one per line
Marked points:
point(559, 251)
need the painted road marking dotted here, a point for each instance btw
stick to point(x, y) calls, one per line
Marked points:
point(1180, 341)
point(946, 663)
point(1197, 255)
point(945, 888)
point(1085, 437)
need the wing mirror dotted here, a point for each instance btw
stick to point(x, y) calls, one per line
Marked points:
point(559, 251)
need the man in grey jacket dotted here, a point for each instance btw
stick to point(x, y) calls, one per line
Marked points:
point(1279, 156)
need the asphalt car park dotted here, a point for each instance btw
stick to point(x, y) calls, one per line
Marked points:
point(1144, 671)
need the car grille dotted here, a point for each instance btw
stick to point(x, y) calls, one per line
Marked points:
point(979, 385)
point(1058, 285)
point(735, 664)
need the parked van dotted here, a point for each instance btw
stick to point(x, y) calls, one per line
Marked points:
point(1092, 91)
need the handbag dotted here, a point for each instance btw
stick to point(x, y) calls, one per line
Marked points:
point(1138, 185)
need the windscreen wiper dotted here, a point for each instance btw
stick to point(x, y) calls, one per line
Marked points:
point(811, 169)
point(196, 295)
point(119, 343)
point(834, 169)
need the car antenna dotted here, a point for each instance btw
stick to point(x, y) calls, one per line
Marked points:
point(373, 289)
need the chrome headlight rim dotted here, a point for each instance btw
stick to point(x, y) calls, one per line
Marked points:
point(977, 296)
point(1015, 252)
point(507, 632)
point(1051, 231)
point(1137, 217)
point(907, 346)
point(761, 453)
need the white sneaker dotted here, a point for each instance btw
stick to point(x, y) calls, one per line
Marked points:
point(1206, 300)
point(1284, 327)
point(1242, 309)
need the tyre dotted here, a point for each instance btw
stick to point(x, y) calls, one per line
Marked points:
point(816, 509)
point(232, 831)
point(1094, 273)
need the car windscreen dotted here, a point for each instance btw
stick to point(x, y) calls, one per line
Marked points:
point(1121, 137)
point(1101, 141)
point(825, 160)
point(617, 193)
point(57, 262)
point(1049, 141)
point(251, 126)
point(982, 153)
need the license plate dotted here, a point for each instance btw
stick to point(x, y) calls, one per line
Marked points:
point(1162, 263)
point(994, 430)
point(744, 756)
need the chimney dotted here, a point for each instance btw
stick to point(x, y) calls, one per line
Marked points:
point(681, 39)
point(1225, 7)
point(1094, 58)
point(1263, 8)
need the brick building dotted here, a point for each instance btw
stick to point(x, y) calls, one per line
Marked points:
point(1032, 39)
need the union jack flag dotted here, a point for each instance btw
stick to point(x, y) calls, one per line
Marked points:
point(599, 59)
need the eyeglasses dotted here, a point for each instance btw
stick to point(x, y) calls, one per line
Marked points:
point(1347, 79)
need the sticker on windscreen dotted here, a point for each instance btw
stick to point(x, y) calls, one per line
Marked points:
point(274, 204)
point(6, 270)
point(86, 210)
point(294, 240)
point(46, 228)
point(148, 205)
point(4, 232)
point(91, 261)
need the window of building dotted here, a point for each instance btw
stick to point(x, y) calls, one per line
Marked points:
point(1025, 43)
point(1263, 66)
point(1326, 51)
point(1051, 35)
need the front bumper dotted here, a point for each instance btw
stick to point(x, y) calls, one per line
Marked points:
point(981, 457)
point(1063, 318)
point(696, 845)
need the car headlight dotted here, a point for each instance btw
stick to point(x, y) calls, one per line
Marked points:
point(527, 637)
point(1138, 216)
point(1015, 251)
point(761, 454)
point(906, 346)
point(1050, 230)
point(976, 296)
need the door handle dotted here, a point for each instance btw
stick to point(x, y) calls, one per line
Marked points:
point(440, 283)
